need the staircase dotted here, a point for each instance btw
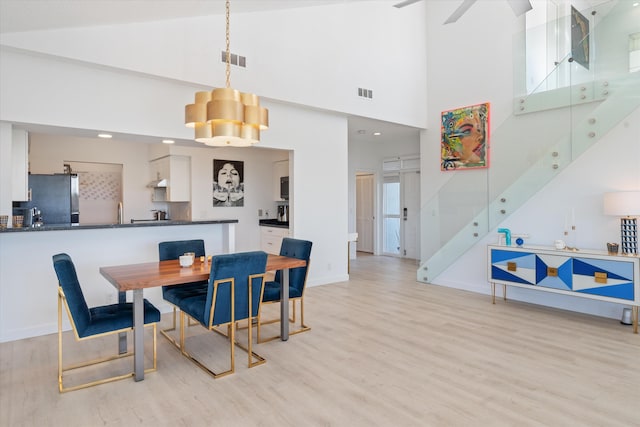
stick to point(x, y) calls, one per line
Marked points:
point(575, 117)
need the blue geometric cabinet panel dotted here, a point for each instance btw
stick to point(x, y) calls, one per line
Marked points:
point(606, 278)
point(554, 271)
point(511, 266)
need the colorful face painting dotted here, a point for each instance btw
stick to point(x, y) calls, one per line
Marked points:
point(465, 138)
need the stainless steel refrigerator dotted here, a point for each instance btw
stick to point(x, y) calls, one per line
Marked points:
point(57, 197)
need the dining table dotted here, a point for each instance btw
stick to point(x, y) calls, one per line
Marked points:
point(137, 277)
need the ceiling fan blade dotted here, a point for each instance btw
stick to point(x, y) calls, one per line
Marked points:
point(466, 4)
point(520, 6)
point(405, 3)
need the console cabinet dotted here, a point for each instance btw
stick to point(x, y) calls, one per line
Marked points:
point(586, 274)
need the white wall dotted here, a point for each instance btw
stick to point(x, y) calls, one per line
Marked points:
point(314, 56)
point(483, 71)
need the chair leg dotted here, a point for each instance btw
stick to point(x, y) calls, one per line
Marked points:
point(249, 349)
point(155, 351)
point(60, 388)
point(196, 361)
point(62, 369)
point(165, 332)
point(303, 327)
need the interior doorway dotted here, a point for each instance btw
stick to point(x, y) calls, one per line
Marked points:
point(365, 212)
point(401, 208)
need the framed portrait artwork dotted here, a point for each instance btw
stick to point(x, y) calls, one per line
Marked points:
point(464, 138)
point(228, 183)
point(579, 38)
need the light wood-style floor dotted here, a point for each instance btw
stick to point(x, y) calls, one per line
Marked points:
point(384, 350)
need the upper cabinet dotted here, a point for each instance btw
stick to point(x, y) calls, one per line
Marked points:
point(280, 169)
point(171, 178)
point(19, 165)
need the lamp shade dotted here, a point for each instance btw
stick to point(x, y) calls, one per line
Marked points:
point(622, 203)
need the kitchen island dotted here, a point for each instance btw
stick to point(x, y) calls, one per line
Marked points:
point(28, 284)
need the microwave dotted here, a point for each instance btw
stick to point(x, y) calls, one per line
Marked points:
point(284, 188)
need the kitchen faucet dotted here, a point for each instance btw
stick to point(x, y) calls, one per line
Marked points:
point(120, 214)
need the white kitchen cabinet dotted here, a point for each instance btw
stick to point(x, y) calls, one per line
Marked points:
point(280, 169)
point(19, 165)
point(271, 239)
point(176, 170)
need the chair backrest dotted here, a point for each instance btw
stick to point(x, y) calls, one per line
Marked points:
point(300, 249)
point(239, 266)
point(68, 281)
point(173, 249)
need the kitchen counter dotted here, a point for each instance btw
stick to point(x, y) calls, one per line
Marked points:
point(163, 223)
point(26, 265)
point(273, 223)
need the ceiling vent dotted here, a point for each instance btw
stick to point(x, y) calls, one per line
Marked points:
point(240, 61)
point(365, 93)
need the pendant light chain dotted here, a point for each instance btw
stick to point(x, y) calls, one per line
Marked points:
point(228, 64)
point(226, 117)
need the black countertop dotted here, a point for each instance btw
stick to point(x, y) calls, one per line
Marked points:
point(165, 223)
point(273, 223)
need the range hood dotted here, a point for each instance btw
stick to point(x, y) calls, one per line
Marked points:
point(159, 183)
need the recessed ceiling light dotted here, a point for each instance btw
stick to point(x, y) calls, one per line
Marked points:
point(168, 141)
point(635, 4)
point(361, 131)
point(105, 135)
point(377, 133)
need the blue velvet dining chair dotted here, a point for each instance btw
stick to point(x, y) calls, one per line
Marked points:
point(94, 322)
point(234, 292)
point(171, 250)
point(293, 248)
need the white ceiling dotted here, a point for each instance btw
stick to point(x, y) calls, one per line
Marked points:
point(31, 15)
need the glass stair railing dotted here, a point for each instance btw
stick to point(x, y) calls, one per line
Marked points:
point(577, 106)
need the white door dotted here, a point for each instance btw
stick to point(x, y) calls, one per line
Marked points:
point(365, 218)
point(411, 214)
point(391, 222)
point(401, 211)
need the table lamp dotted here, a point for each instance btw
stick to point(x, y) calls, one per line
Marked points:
point(625, 204)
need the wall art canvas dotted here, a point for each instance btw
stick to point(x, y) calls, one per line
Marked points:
point(579, 38)
point(464, 141)
point(228, 183)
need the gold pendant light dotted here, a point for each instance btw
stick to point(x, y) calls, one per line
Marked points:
point(226, 117)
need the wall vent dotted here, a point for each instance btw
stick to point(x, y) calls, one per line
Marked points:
point(240, 61)
point(365, 93)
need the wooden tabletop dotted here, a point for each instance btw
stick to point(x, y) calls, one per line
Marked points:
point(152, 274)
